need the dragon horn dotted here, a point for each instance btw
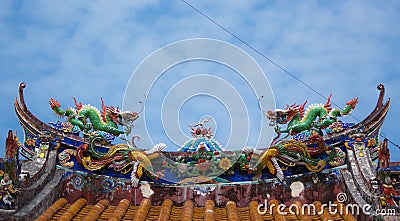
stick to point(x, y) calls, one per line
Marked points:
point(292, 106)
point(301, 109)
point(303, 105)
point(103, 107)
point(328, 103)
point(78, 106)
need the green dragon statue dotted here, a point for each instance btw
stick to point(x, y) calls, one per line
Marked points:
point(318, 116)
point(106, 121)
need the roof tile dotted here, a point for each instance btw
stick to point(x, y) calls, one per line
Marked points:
point(165, 210)
point(209, 210)
point(96, 210)
point(79, 210)
point(73, 209)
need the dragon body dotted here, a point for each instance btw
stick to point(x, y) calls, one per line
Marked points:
point(122, 158)
point(291, 153)
point(106, 121)
point(318, 116)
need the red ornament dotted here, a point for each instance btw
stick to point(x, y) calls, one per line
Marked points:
point(198, 131)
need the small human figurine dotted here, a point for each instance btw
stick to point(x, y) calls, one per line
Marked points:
point(7, 191)
point(384, 155)
point(389, 195)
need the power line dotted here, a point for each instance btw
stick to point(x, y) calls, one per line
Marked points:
point(254, 49)
point(384, 137)
point(272, 61)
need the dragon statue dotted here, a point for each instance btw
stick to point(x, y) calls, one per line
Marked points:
point(106, 121)
point(317, 116)
point(122, 158)
point(291, 153)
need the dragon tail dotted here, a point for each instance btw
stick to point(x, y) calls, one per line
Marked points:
point(56, 107)
point(316, 167)
point(350, 105)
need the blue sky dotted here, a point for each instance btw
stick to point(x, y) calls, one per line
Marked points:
point(89, 49)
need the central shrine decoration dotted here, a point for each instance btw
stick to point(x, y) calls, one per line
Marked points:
point(202, 139)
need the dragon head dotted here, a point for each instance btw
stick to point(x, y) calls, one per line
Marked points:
point(127, 116)
point(123, 118)
point(126, 119)
point(280, 116)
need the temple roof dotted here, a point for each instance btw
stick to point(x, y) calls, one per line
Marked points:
point(318, 167)
point(102, 210)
